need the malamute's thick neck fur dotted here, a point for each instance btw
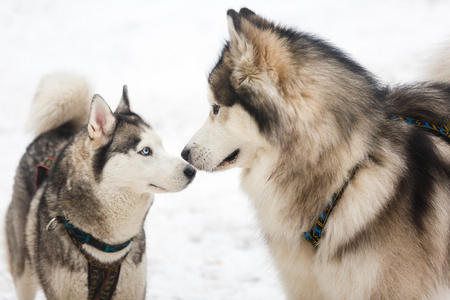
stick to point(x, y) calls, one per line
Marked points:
point(293, 85)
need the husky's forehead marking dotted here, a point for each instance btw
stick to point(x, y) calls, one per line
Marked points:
point(131, 118)
point(126, 137)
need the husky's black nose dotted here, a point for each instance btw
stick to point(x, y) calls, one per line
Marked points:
point(186, 154)
point(189, 171)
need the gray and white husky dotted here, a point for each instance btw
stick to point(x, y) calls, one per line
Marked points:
point(350, 179)
point(101, 187)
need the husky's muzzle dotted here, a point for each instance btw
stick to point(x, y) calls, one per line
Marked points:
point(190, 172)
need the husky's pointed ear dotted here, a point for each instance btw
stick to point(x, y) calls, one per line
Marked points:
point(124, 104)
point(101, 122)
point(234, 26)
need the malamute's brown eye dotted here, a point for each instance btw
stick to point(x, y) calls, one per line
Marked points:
point(216, 109)
point(146, 151)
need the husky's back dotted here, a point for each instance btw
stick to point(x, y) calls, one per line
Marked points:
point(60, 108)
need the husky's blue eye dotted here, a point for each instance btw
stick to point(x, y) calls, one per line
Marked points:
point(216, 109)
point(146, 151)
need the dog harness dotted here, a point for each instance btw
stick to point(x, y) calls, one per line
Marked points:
point(43, 170)
point(102, 277)
point(442, 130)
point(313, 236)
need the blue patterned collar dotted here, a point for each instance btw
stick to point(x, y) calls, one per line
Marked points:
point(313, 236)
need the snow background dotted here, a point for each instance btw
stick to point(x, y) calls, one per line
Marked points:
point(203, 243)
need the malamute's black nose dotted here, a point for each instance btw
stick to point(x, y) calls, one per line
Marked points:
point(189, 171)
point(186, 154)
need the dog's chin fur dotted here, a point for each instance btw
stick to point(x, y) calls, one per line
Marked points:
point(303, 115)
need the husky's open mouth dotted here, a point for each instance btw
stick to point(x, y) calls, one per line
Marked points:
point(230, 159)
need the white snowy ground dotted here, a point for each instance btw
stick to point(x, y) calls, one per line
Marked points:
point(203, 243)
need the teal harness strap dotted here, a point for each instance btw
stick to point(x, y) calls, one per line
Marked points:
point(102, 277)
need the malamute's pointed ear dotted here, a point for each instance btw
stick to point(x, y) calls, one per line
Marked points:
point(247, 13)
point(258, 52)
point(124, 104)
point(254, 18)
point(101, 121)
point(234, 26)
point(242, 26)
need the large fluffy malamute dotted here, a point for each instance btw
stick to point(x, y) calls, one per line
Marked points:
point(80, 234)
point(350, 179)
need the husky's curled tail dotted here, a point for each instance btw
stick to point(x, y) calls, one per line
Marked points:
point(61, 98)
